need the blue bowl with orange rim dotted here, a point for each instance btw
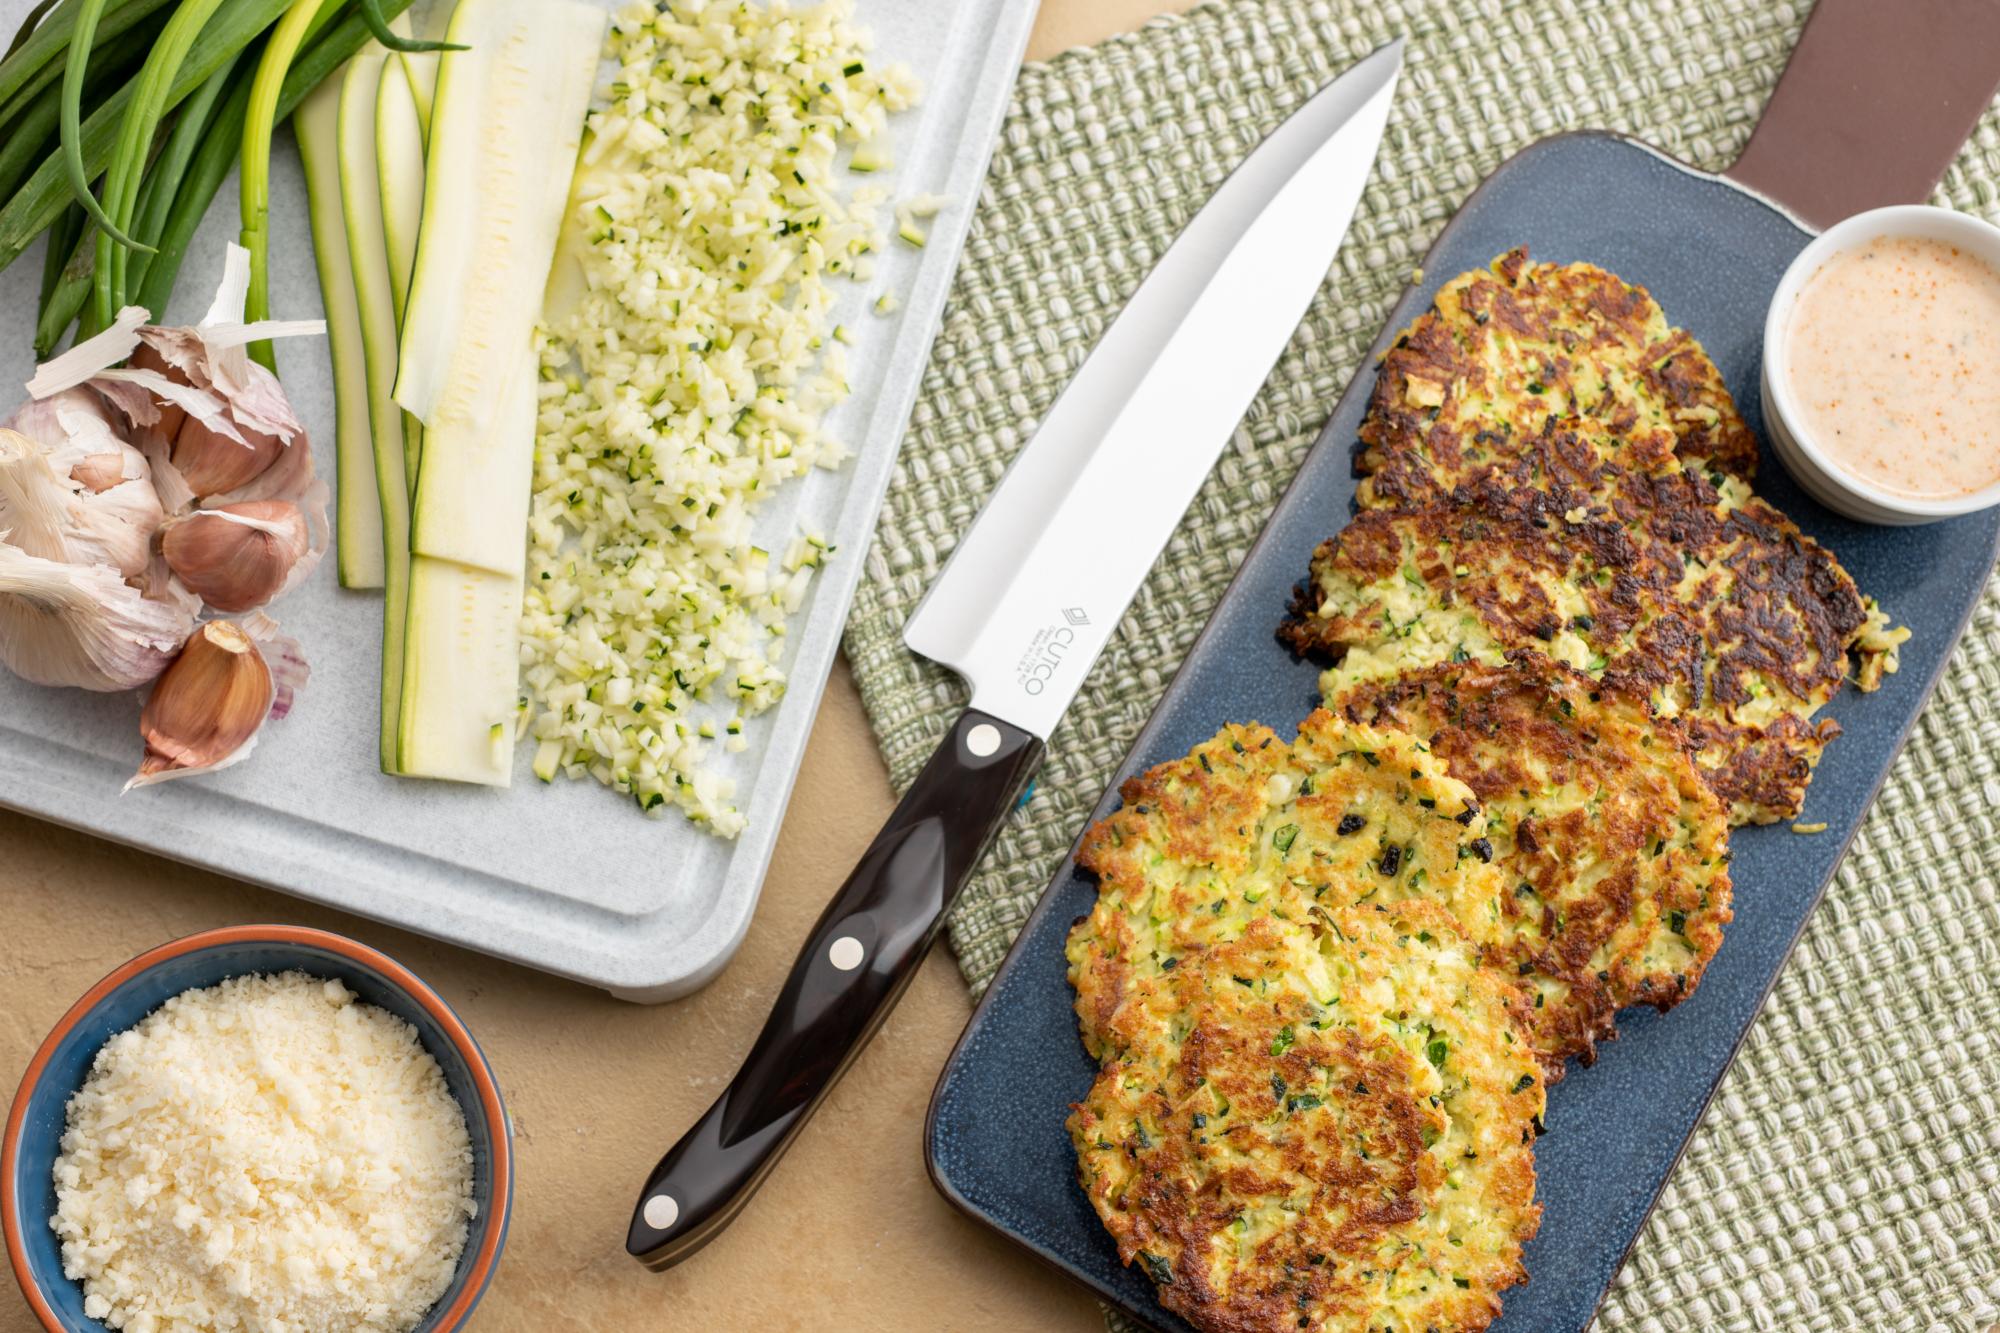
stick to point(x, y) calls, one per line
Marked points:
point(35, 1125)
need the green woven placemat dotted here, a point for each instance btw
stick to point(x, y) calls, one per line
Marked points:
point(1848, 1175)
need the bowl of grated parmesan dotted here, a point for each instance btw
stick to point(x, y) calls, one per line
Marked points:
point(258, 1127)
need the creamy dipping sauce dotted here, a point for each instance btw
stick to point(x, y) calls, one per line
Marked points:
point(1895, 366)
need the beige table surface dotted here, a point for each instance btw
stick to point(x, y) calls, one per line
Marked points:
point(848, 1233)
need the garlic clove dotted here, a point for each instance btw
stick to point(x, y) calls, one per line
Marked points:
point(98, 473)
point(236, 557)
point(167, 415)
point(82, 625)
point(118, 524)
point(212, 463)
point(206, 709)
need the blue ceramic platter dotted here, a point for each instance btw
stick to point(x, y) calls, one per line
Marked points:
point(1712, 254)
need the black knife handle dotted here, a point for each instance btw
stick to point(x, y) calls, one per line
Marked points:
point(860, 955)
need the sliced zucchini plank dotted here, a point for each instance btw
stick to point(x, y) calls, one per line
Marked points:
point(368, 254)
point(506, 122)
point(357, 511)
point(399, 167)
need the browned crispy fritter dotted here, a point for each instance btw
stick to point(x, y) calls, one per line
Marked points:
point(1727, 617)
point(1509, 346)
point(1585, 466)
point(1322, 1124)
point(1614, 851)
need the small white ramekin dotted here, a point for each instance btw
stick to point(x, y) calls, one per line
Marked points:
point(1791, 438)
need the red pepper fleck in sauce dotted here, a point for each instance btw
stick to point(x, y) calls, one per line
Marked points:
point(1895, 366)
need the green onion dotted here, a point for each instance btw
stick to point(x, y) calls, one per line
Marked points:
point(30, 209)
point(27, 28)
point(63, 236)
point(64, 303)
point(88, 12)
point(378, 25)
point(35, 64)
point(279, 51)
point(152, 96)
point(218, 151)
point(33, 135)
point(204, 177)
point(163, 182)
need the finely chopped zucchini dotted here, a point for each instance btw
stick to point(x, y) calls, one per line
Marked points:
point(688, 358)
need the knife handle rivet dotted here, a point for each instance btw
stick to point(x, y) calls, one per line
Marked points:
point(845, 953)
point(983, 740)
point(661, 1212)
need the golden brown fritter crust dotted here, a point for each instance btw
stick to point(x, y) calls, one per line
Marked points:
point(1705, 601)
point(1615, 852)
point(1506, 347)
point(1247, 825)
point(1322, 1124)
point(1588, 465)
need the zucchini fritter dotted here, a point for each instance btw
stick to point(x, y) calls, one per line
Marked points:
point(1709, 604)
point(1615, 851)
point(1320, 1124)
point(1585, 468)
point(1247, 825)
point(1507, 346)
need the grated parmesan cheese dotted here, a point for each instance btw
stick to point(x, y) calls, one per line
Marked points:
point(266, 1154)
point(684, 380)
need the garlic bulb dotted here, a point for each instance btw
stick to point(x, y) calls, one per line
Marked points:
point(57, 518)
point(82, 625)
point(90, 470)
point(236, 557)
point(209, 706)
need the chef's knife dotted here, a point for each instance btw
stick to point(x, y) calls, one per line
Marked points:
point(1027, 602)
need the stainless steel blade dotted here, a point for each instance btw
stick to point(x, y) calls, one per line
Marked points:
point(1039, 582)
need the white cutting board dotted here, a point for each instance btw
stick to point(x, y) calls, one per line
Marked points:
point(570, 877)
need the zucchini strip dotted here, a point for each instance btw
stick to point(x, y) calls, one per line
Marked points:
point(375, 306)
point(506, 125)
point(399, 166)
point(358, 512)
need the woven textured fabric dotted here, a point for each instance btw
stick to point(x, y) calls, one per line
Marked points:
point(1848, 1175)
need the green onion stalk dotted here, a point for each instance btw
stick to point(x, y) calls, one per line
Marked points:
point(32, 207)
point(35, 62)
point(279, 52)
point(378, 25)
point(151, 99)
point(163, 182)
point(87, 14)
point(218, 151)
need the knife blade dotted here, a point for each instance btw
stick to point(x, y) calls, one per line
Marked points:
point(1028, 600)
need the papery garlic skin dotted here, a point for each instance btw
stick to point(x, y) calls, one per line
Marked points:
point(206, 709)
point(237, 557)
point(82, 626)
point(55, 517)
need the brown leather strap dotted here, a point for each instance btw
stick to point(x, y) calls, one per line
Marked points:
point(1876, 101)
